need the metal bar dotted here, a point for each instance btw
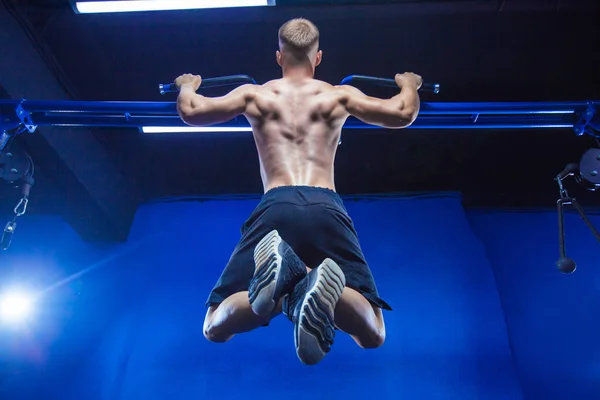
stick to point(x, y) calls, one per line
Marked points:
point(210, 82)
point(448, 108)
point(432, 115)
point(506, 108)
point(561, 228)
point(116, 107)
point(425, 87)
point(423, 122)
point(585, 219)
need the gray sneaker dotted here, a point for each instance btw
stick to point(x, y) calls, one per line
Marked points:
point(311, 308)
point(278, 270)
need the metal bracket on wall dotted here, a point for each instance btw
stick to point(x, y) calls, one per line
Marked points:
point(589, 123)
point(13, 122)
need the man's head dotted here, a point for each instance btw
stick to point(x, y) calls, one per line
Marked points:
point(299, 44)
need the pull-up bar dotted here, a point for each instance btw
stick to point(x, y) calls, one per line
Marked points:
point(18, 116)
point(245, 79)
point(432, 115)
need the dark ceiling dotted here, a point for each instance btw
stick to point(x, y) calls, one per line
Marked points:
point(478, 50)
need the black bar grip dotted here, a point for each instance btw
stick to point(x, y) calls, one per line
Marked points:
point(210, 82)
point(425, 87)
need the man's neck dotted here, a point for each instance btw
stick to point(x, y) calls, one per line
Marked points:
point(298, 72)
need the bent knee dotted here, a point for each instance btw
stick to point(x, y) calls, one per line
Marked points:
point(213, 334)
point(372, 339)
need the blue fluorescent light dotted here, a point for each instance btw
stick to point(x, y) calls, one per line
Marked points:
point(92, 7)
point(175, 129)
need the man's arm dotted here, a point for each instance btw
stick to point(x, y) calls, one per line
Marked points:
point(398, 112)
point(198, 110)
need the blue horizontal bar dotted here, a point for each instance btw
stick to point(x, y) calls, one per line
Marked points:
point(450, 108)
point(116, 107)
point(423, 122)
point(432, 115)
point(506, 108)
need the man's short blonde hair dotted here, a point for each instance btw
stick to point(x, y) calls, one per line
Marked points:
point(298, 35)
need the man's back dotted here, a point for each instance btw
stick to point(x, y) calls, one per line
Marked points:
point(296, 125)
point(297, 120)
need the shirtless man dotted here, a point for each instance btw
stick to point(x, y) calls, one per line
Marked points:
point(299, 252)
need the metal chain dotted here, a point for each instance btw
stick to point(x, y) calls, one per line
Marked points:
point(22, 204)
point(11, 226)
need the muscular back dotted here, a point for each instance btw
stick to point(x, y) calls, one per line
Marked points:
point(297, 122)
point(296, 126)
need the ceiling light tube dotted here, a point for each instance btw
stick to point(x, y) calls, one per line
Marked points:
point(93, 7)
point(182, 129)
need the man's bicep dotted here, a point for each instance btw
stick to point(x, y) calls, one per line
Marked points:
point(234, 102)
point(215, 110)
point(389, 113)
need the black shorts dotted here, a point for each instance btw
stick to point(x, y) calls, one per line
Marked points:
point(315, 223)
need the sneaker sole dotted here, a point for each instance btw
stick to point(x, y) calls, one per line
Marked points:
point(313, 334)
point(267, 261)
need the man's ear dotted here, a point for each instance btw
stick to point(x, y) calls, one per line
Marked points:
point(279, 56)
point(319, 58)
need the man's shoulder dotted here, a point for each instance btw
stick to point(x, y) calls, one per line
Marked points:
point(322, 85)
point(271, 83)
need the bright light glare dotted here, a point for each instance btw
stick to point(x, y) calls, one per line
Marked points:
point(16, 306)
point(175, 129)
point(90, 7)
